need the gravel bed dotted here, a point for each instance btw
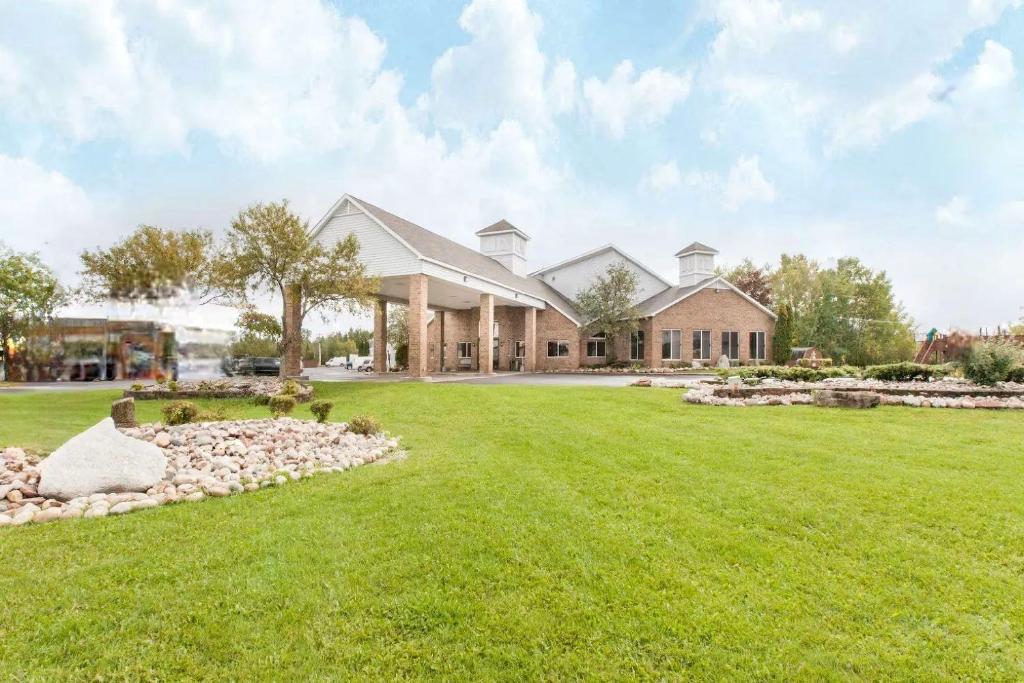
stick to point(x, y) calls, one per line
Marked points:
point(1006, 396)
point(212, 459)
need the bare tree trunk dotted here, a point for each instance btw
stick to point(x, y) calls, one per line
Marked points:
point(291, 365)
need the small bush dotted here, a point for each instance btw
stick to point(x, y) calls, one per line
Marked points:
point(321, 409)
point(172, 386)
point(1016, 375)
point(260, 400)
point(991, 362)
point(795, 373)
point(281, 404)
point(904, 372)
point(179, 412)
point(136, 387)
point(161, 379)
point(364, 424)
point(290, 388)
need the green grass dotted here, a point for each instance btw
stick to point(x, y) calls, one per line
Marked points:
point(549, 533)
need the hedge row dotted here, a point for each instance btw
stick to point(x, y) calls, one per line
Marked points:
point(893, 372)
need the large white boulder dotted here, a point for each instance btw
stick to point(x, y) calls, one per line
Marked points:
point(101, 460)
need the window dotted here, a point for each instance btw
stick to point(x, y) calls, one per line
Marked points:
point(520, 349)
point(702, 344)
point(465, 349)
point(636, 345)
point(757, 345)
point(671, 344)
point(558, 349)
point(731, 345)
point(595, 348)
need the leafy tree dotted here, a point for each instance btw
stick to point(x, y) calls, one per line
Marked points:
point(29, 295)
point(754, 281)
point(782, 341)
point(261, 335)
point(361, 338)
point(797, 283)
point(151, 264)
point(608, 306)
point(269, 249)
point(398, 332)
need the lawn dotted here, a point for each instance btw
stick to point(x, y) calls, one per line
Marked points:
point(549, 533)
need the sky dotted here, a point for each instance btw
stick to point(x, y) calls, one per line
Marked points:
point(893, 132)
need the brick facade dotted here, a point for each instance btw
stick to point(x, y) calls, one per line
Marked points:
point(715, 310)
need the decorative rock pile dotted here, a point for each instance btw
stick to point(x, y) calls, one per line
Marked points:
point(206, 459)
point(946, 393)
point(224, 387)
point(705, 394)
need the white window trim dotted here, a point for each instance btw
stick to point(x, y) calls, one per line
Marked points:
point(603, 340)
point(670, 330)
point(468, 345)
point(705, 354)
point(764, 345)
point(559, 343)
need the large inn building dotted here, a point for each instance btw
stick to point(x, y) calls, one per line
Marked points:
point(484, 311)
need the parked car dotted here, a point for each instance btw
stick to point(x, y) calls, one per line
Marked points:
point(335, 362)
point(258, 366)
point(365, 366)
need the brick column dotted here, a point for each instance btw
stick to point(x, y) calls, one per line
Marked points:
point(486, 344)
point(530, 336)
point(380, 336)
point(292, 365)
point(418, 342)
point(652, 343)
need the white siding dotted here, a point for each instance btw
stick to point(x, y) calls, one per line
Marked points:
point(570, 279)
point(382, 253)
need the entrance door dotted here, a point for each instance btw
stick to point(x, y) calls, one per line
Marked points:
point(494, 351)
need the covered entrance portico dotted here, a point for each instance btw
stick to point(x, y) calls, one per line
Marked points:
point(471, 329)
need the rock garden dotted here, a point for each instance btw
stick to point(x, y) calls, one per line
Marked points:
point(107, 470)
point(225, 387)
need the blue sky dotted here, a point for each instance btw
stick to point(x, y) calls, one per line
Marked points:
point(889, 131)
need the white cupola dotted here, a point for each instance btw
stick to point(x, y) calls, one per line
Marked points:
point(696, 263)
point(506, 244)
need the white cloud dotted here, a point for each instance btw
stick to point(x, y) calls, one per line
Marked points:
point(910, 103)
point(746, 184)
point(266, 79)
point(501, 73)
point(844, 39)
point(953, 213)
point(994, 70)
point(624, 101)
point(756, 24)
point(1011, 214)
point(662, 177)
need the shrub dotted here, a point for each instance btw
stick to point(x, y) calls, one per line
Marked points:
point(321, 409)
point(991, 362)
point(217, 414)
point(364, 424)
point(179, 412)
point(136, 387)
point(260, 400)
point(290, 388)
point(282, 404)
point(161, 379)
point(1016, 375)
point(172, 385)
point(904, 372)
point(792, 374)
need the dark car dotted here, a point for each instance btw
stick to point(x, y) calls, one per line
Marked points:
point(258, 366)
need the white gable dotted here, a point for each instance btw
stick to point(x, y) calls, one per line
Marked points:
point(381, 251)
point(577, 274)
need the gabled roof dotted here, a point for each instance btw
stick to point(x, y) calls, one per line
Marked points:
point(502, 227)
point(673, 295)
point(696, 248)
point(430, 245)
point(594, 252)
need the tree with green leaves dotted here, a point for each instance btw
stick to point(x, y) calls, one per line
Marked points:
point(150, 265)
point(782, 341)
point(268, 249)
point(754, 281)
point(261, 335)
point(608, 306)
point(398, 332)
point(29, 295)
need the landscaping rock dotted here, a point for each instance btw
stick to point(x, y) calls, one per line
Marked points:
point(101, 460)
point(122, 411)
point(828, 398)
